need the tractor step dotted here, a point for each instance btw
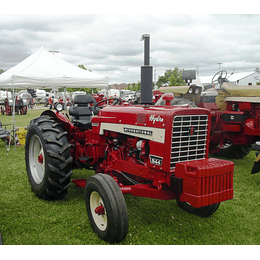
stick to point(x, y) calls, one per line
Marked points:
point(80, 182)
point(84, 159)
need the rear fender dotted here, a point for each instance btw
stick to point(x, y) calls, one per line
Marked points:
point(67, 125)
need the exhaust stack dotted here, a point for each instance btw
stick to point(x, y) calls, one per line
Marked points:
point(146, 73)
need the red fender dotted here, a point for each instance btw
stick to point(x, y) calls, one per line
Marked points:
point(67, 125)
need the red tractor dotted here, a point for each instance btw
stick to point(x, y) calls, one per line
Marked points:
point(235, 113)
point(142, 150)
point(20, 106)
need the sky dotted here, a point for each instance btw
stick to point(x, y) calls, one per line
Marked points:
point(109, 43)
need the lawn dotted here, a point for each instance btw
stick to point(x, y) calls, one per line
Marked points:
point(27, 220)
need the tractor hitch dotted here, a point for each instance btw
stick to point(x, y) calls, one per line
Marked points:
point(256, 166)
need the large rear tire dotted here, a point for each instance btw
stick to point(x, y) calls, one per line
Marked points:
point(106, 208)
point(48, 159)
point(201, 212)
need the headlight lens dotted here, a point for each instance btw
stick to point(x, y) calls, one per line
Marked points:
point(190, 91)
point(197, 91)
point(59, 107)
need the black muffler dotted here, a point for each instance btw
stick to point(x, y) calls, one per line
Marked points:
point(146, 73)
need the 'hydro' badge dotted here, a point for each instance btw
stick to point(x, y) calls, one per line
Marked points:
point(156, 160)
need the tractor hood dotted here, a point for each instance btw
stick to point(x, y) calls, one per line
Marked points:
point(241, 90)
point(145, 122)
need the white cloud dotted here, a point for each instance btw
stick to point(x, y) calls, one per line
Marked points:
point(110, 44)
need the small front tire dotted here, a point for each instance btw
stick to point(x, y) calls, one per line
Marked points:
point(201, 212)
point(106, 208)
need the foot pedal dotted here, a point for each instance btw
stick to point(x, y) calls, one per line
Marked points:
point(81, 183)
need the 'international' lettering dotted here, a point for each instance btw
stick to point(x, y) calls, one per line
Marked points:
point(138, 131)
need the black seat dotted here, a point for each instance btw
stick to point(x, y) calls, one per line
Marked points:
point(81, 111)
point(83, 100)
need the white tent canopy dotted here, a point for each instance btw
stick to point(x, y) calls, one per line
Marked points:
point(45, 70)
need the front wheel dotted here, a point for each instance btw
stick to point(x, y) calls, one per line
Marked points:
point(201, 212)
point(106, 208)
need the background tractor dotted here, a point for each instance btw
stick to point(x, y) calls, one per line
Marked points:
point(21, 103)
point(234, 114)
point(149, 151)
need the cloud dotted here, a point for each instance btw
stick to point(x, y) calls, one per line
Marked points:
point(110, 44)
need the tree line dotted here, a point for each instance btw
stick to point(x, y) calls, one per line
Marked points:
point(170, 78)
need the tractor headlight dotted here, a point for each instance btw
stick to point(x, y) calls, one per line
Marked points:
point(197, 90)
point(190, 91)
point(59, 107)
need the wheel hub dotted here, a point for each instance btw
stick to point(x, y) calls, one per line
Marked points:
point(100, 210)
point(40, 158)
point(36, 159)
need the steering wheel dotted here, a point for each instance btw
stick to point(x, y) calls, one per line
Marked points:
point(219, 77)
point(116, 101)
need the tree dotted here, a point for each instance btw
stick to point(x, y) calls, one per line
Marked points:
point(171, 78)
point(83, 67)
point(1, 71)
point(134, 86)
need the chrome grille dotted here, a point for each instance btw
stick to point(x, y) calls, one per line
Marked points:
point(189, 138)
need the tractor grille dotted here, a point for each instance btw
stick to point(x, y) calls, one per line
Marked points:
point(189, 138)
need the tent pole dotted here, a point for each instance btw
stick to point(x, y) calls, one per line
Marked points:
point(65, 99)
point(14, 114)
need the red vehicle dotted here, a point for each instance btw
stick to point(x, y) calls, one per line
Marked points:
point(234, 114)
point(156, 95)
point(143, 150)
point(20, 106)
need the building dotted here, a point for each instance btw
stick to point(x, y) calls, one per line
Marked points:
point(242, 78)
point(120, 86)
point(245, 78)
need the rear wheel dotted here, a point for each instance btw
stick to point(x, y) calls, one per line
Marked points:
point(48, 159)
point(201, 212)
point(23, 110)
point(106, 208)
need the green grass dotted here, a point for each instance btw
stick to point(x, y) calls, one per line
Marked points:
point(27, 220)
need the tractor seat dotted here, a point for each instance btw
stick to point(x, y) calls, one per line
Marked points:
point(83, 100)
point(81, 111)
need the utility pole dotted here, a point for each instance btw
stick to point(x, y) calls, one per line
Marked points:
point(154, 78)
point(54, 52)
point(197, 68)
